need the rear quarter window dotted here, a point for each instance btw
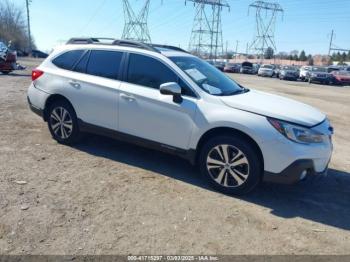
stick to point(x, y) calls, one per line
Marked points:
point(68, 59)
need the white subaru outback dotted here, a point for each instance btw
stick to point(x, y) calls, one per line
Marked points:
point(164, 98)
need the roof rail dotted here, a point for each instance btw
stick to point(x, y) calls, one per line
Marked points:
point(170, 47)
point(136, 44)
point(129, 43)
point(89, 40)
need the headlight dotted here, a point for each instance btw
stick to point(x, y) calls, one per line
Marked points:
point(313, 75)
point(297, 133)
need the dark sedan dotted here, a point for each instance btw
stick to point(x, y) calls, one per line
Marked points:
point(288, 73)
point(232, 68)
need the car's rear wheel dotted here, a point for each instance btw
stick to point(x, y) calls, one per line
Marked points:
point(62, 122)
point(231, 165)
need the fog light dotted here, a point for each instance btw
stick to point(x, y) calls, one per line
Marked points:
point(303, 175)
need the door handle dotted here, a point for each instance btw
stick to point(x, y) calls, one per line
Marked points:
point(129, 98)
point(74, 83)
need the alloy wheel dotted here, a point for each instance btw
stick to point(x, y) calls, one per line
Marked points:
point(227, 165)
point(61, 122)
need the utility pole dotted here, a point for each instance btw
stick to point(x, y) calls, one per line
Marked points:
point(330, 43)
point(247, 49)
point(206, 37)
point(28, 24)
point(236, 49)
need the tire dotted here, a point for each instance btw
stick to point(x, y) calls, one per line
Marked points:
point(5, 72)
point(66, 132)
point(233, 180)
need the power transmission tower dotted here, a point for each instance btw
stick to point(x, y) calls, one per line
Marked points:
point(28, 25)
point(265, 16)
point(135, 27)
point(206, 37)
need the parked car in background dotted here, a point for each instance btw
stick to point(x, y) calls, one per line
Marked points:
point(219, 65)
point(288, 73)
point(319, 74)
point(8, 59)
point(330, 69)
point(266, 70)
point(172, 101)
point(232, 68)
point(277, 70)
point(341, 77)
point(39, 54)
point(247, 68)
point(303, 72)
point(256, 68)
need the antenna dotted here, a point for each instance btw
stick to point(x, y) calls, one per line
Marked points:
point(206, 37)
point(265, 16)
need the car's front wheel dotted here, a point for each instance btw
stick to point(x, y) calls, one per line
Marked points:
point(230, 164)
point(62, 122)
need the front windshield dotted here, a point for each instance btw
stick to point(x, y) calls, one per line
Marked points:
point(267, 66)
point(207, 77)
point(319, 69)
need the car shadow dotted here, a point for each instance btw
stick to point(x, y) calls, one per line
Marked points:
point(322, 199)
point(15, 75)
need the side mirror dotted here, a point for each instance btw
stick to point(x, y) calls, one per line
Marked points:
point(172, 89)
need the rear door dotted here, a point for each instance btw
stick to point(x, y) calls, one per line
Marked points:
point(92, 87)
point(145, 113)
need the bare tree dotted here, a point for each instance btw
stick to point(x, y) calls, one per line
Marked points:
point(13, 26)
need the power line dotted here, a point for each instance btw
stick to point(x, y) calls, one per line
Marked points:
point(98, 9)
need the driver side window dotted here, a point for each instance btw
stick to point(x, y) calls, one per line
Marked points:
point(149, 72)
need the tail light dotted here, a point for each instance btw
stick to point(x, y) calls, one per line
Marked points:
point(36, 73)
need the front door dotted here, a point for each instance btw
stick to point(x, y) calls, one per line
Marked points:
point(145, 113)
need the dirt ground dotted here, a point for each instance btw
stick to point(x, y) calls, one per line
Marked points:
point(107, 197)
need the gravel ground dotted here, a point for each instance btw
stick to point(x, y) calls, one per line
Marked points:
point(107, 197)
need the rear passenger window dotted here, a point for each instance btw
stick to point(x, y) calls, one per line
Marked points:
point(147, 71)
point(104, 63)
point(82, 63)
point(68, 59)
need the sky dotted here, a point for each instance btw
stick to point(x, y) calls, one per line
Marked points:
point(305, 25)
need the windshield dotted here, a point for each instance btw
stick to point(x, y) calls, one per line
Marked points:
point(267, 66)
point(207, 77)
point(319, 69)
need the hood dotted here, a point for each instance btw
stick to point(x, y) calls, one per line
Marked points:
point(266, 69)
point(276, 107)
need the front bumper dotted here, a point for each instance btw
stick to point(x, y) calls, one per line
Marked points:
point(266, 74)
point(319, 79)
point(295, 172)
